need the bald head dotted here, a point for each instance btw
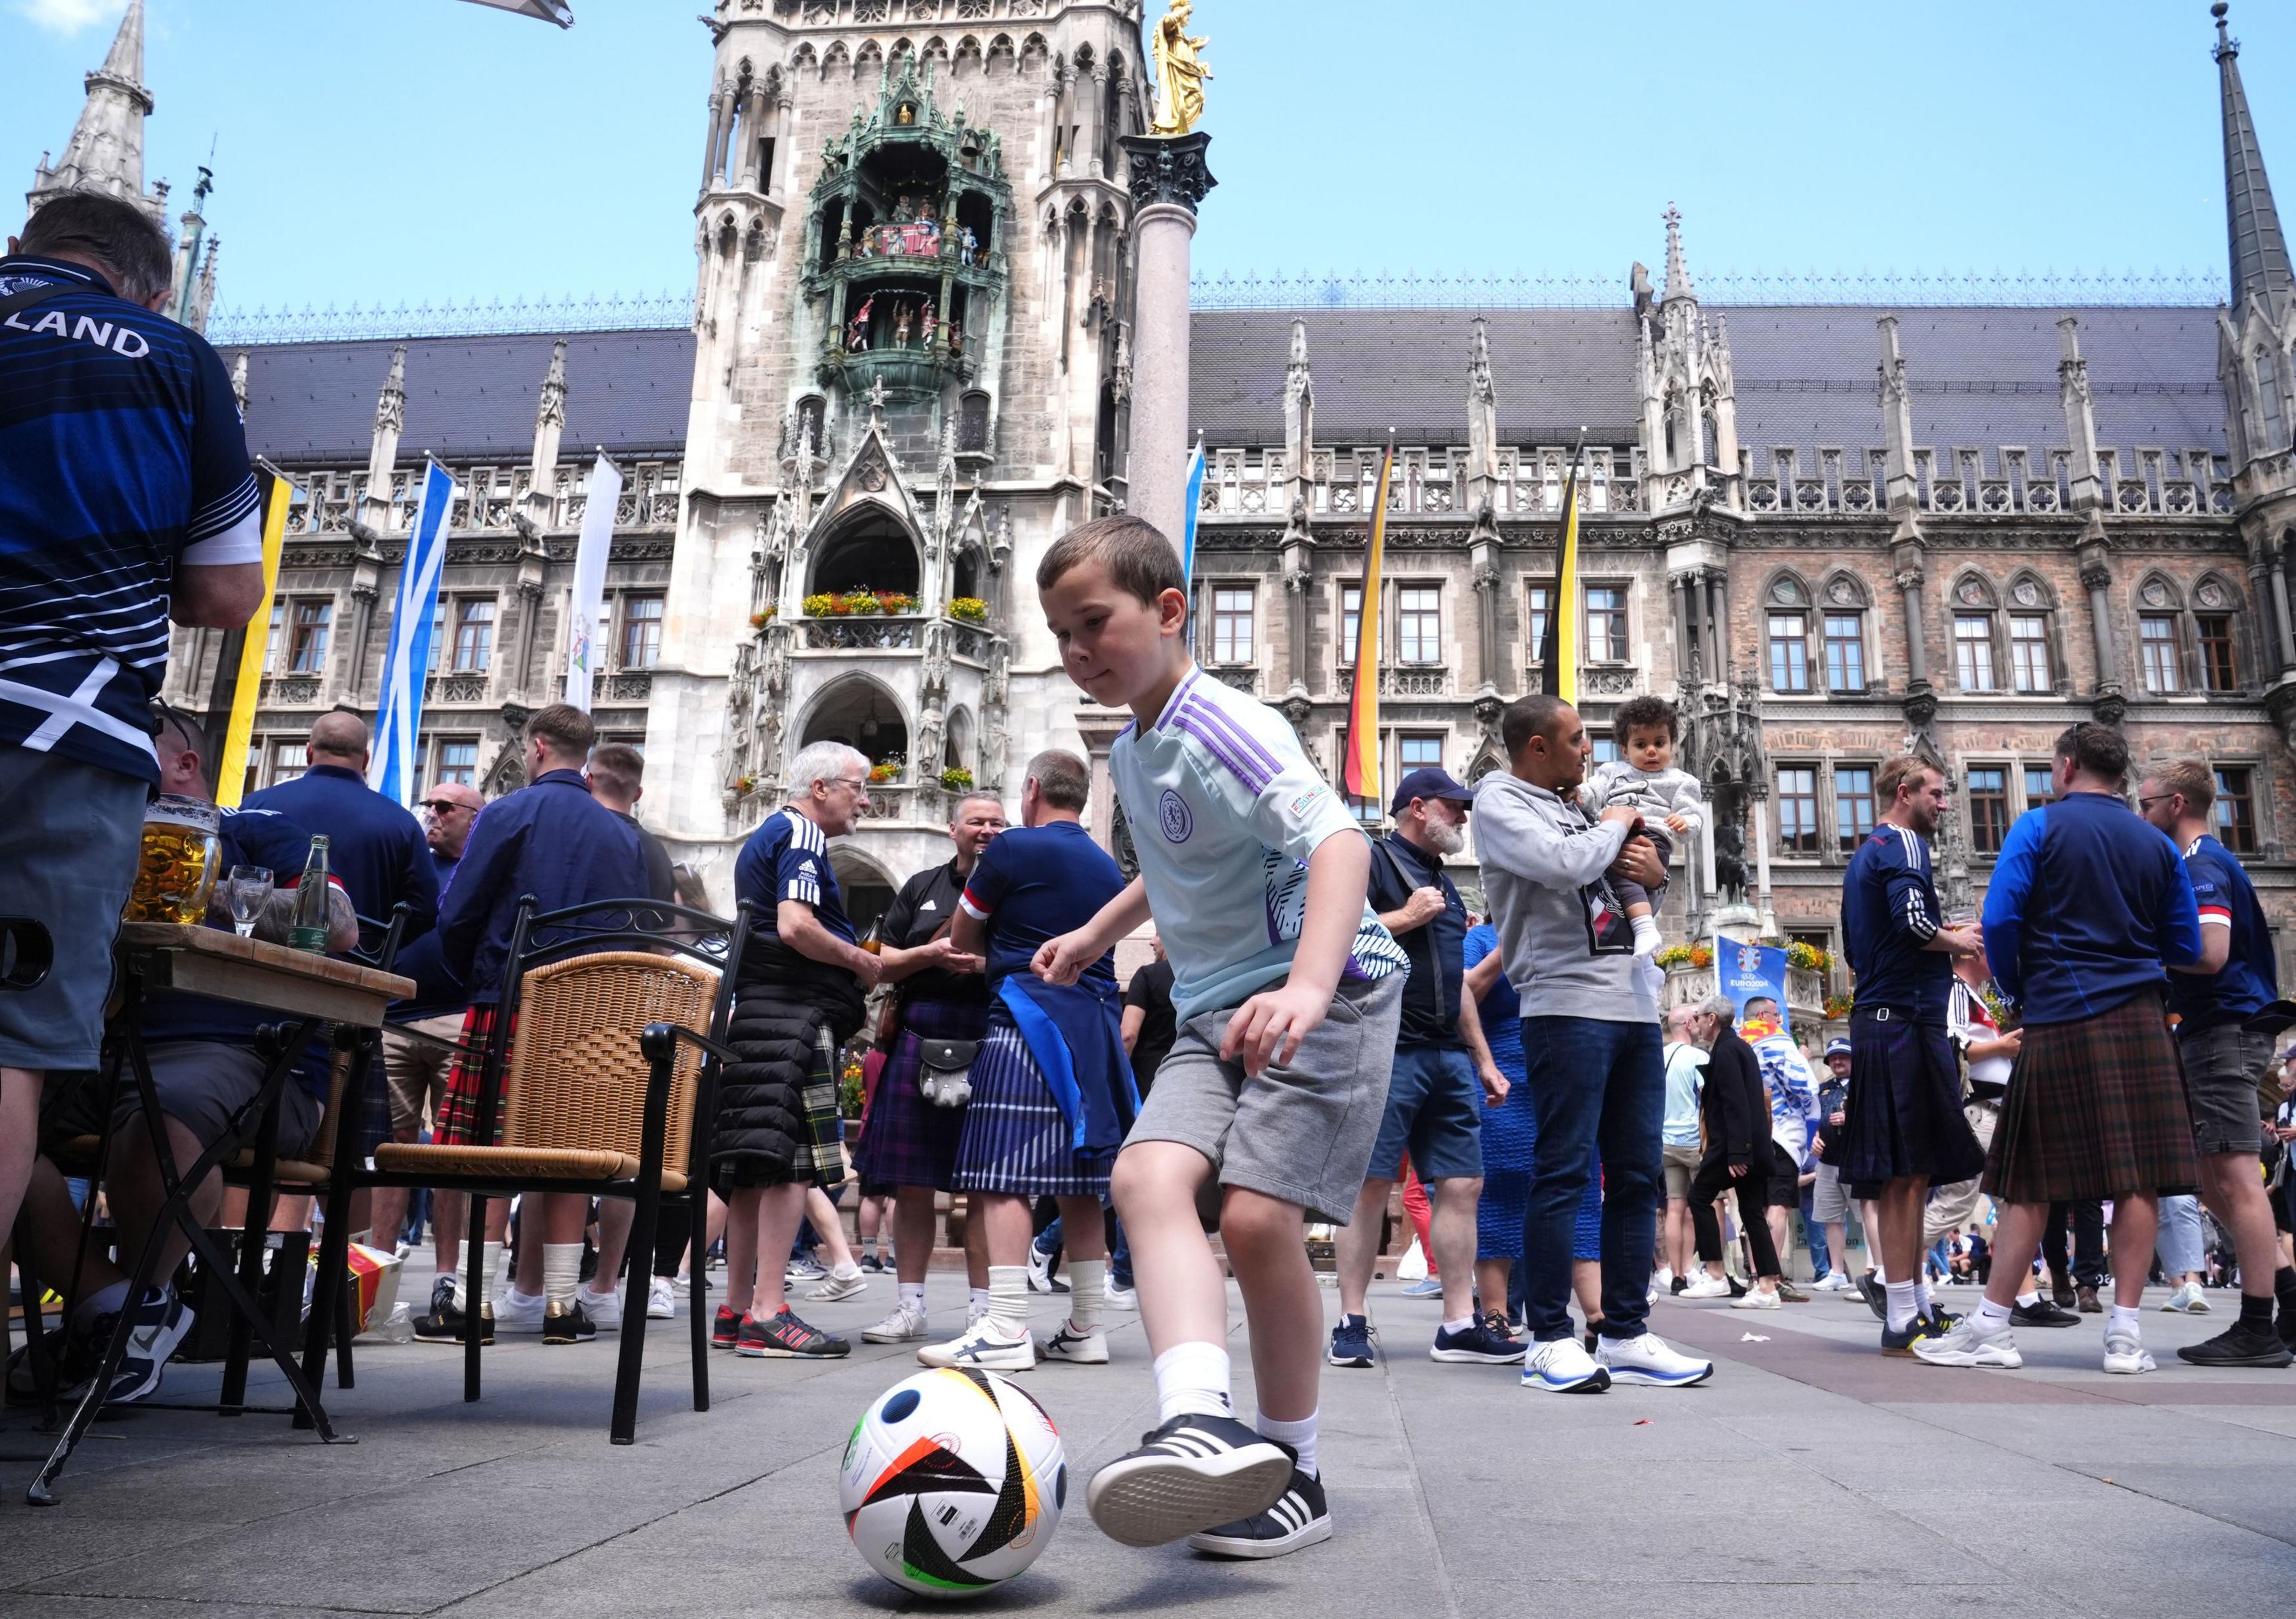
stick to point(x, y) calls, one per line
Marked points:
point(339, 737)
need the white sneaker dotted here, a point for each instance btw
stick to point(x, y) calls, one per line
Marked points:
point(604, 1308)
point(985, 1347)
point(1648, 1359)
point(1757, 1298)
point(905, 1325)
point(1965, 1345)
point(1707, 1286)
point(1040, 1272)
point(2186, 1297)
point(1086, 1346)
point(837, 1285)
point(1122, 1298)
point(1561, 1366)
point(1664, 1280)
point(2124, 1355)
point(514, 1311)
point(2197, 1304)
point(1833, 1281)
point(682, 1284)
point(661, 1300)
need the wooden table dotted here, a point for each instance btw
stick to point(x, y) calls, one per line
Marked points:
point(311, 989)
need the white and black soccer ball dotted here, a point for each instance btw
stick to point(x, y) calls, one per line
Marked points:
point(954, 1482)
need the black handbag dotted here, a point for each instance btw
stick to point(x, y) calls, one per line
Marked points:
point(945, 1074)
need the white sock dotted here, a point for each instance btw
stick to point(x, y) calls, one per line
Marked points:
point(1902, 1309)
point(1988, 1317)
point(1087, 1291)
point(911, 1292)
point(1008, 1300)
point(1921, 1295)
point(1645, 934)
point(562, 1270)
point(1300, 1435)
point(1192, 1377)
point(102, 1302)
point(2029, 1297)
point(977, 1304)
point(2123, 1319)
point(1461, 1325)
point(847, 1271)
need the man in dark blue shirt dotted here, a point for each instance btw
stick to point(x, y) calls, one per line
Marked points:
point(2234, 979)
point(1904, 1131)
point(1434, 1101)
point(2088, 908)
point(1052, 1091)
point(127, 502)
point(375, 849)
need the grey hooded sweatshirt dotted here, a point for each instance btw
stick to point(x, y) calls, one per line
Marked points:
point(1542, 860)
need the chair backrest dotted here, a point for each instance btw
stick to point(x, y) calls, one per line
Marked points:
point(576, 1077)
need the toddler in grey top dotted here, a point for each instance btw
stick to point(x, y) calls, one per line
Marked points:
point(1672, 801)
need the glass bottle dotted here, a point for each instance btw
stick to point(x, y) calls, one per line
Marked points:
point(308, 931)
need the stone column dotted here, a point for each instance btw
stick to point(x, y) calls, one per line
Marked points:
point(2276, 609)
point(1710, 653)
point(1168, 179)
point(785, 104)
point(1094, 122)
point(753, 119)
point(718, 100)
point(2096, 578)
point(1908, 580)
point(1683, 607)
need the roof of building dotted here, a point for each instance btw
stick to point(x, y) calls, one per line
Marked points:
point(1806, 375)
point(468, 398)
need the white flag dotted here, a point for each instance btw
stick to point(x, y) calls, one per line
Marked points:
point(586, 645)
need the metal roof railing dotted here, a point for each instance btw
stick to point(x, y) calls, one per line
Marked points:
point(644, 311)
point(1409, 290)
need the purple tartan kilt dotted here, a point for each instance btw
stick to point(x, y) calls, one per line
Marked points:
point(908, 1140)
point(2095, 1109)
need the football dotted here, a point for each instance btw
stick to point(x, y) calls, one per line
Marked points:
point(952, 1482)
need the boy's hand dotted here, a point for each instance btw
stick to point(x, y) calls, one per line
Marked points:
point(1062, 960)
point(1268, 1028)
point(1677, 824)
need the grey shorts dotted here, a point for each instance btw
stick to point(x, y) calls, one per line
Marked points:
point(1302, 1131)
point(414, 1073)
point(1681, 1166)
point(200, 1084)
point(2223, 1066)
point(69, 861)
point(1829, 1204)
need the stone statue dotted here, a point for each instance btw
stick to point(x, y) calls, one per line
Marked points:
point(1180, 72)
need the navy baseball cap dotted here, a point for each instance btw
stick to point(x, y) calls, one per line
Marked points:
point(1429, 782)
point(1836, 1048)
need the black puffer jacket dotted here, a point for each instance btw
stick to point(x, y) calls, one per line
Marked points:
point(759, 1132)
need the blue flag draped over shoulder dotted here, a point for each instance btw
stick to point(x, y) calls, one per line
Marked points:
point(406, 665)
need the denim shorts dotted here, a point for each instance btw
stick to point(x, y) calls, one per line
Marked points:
point(69, 861)
point(2222, 1068)
point(1435, 1111)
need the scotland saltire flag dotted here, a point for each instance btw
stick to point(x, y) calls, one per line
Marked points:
point(1195, 497)
point(396, 766)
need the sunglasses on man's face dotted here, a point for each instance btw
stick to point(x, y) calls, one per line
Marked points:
point(441, 806)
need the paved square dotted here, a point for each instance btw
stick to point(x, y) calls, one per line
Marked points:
point(1811, 1476)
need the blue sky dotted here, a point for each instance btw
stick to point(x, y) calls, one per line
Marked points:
point(432, 150)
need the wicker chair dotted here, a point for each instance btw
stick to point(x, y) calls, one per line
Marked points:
point(605, 1091)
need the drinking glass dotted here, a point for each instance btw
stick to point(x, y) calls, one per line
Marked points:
point(250, 891)
point(177, 869)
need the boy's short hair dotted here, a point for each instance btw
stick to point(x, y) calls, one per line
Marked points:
point(1645, 713)
point(1063, 780)
point(2096, 750)
point(569, 731)
point(1140, 560)
point(621, 767)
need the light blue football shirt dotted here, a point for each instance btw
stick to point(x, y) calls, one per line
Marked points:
point(1223, 810)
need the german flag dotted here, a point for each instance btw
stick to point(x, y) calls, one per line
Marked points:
point(1359, 763)
point(1559, 664)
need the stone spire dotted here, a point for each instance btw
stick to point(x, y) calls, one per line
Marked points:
point(2080, 419)
point(2259, 253)
point(549, 424)
point(105, 153)
point(1299, 411)
point(1482, 418)
point(382, 454)
point(1677, 267)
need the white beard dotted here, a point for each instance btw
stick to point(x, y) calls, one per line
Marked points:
point(1445, 839)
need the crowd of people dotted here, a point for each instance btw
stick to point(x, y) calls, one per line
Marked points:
point(1323, 1019)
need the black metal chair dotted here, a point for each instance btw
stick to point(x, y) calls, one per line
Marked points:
point(597, 1001)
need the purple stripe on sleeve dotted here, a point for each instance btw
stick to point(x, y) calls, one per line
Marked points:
point(1221, 750)
point(1243, 739)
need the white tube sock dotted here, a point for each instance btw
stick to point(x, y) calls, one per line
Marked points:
point(2125, 1318)
point(1300, 1435)
point(911, 1292)
point(1008, 1300)
point(977, 1304)
point(1901, 1306)
point(1087, 1291)
point(1192, 1377)
point(562, 1271)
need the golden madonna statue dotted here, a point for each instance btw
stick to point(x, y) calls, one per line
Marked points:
point(1180, 73)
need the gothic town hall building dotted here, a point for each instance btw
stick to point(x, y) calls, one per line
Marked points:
point(1828, 532)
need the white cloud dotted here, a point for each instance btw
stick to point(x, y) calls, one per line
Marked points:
point(69, 17)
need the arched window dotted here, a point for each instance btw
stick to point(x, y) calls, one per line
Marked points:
point(2033, 659)
point(861, 713)
point(1788, 638)
point(973, 423)
point(956, 745)
point(1975, 666)
point(811, 411)
point(2216, 621)
point(872, 552)
point(2160, 659)
point(965, 575)
point(1842, 602)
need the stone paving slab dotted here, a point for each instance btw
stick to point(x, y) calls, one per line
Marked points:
point(1812, 1476)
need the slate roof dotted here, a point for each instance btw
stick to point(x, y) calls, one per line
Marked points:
point(468, 397)
point(1807, 376)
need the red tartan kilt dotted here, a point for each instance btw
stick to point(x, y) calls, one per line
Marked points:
point(457, 1124)
point(2095, 1109)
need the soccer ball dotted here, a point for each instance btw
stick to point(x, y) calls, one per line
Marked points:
point(954, 1482)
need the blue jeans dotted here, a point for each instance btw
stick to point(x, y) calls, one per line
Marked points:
point(1821, 1254)
point(1595, 1085)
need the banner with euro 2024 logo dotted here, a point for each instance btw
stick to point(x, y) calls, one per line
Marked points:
point(1749, 972)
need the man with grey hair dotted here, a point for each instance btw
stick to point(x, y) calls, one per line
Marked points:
point(1737, 1107)
point(128, 502)
point(798, 1001)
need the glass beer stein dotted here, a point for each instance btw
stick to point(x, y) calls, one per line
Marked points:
point(176, 872)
